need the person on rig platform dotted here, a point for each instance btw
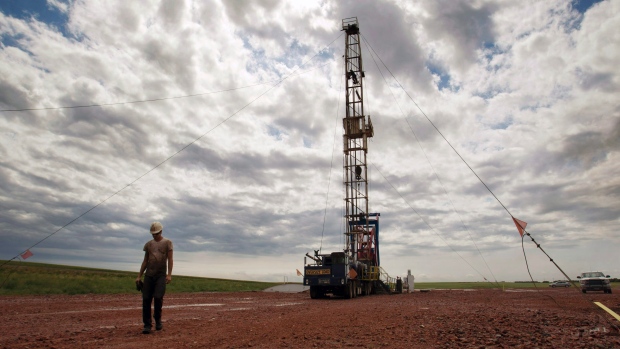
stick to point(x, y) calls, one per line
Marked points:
point(157, 259)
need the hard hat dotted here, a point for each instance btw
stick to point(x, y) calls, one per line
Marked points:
point(156, 228)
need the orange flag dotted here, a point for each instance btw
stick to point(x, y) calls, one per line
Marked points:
point(299, 273)
point(26, 254)
point(520, 225)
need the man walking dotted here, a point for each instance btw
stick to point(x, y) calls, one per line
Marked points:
point(156, 253)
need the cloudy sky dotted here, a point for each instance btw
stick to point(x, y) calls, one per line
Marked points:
point(222, 120)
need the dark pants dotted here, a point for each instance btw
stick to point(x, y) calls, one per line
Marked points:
point(154, 288)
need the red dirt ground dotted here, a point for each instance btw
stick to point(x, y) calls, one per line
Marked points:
point(551, 318)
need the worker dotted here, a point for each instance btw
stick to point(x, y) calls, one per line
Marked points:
point(157, 260)
point(353, 76)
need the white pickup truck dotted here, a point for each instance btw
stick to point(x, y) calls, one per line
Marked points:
point(594, 281)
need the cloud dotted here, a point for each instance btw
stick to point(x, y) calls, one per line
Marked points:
point(246, 173)
point(461, 29)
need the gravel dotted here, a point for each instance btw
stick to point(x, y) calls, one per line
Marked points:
point(547, 318)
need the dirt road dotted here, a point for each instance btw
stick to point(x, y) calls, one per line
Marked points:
point(551, 318)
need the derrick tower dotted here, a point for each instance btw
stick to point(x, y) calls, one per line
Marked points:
point(361, 242)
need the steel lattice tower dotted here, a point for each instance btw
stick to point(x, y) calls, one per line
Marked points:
point(357, 129)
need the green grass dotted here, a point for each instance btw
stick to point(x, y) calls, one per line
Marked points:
point(27, 278)
point(476, 285)
point(487, 285)
point(21, 278)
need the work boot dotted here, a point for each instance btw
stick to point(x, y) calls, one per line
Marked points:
point(159, 326)
point(146, 330)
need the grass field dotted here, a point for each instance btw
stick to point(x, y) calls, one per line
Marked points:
point(26, 278)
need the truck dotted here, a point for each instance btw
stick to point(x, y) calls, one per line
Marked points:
point(345, 275)
point(594, 281)
point(356, 269)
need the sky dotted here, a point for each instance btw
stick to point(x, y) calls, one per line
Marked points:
point(223, 121)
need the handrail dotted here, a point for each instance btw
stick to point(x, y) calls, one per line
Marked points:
point(388, 280)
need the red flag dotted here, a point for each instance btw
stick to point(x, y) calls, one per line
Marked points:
point(26, 254)
point(520, 225)
point(299, 273)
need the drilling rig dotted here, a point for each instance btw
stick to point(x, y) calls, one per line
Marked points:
point(355, 270)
